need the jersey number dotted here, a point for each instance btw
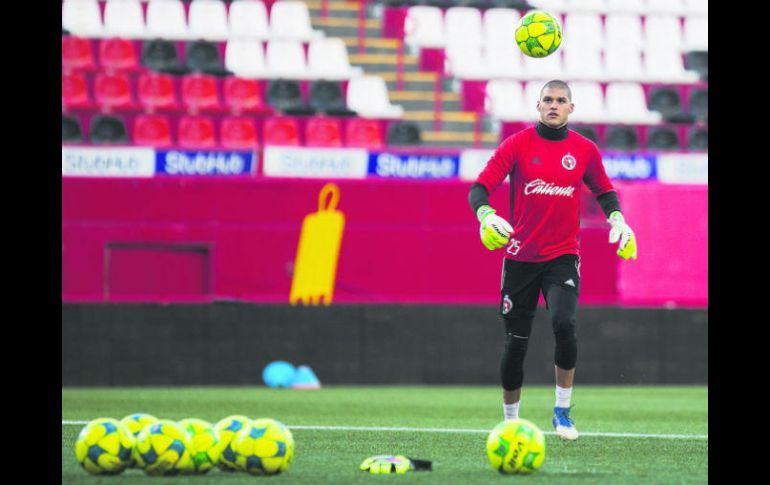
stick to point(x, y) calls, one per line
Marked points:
point(514, 247)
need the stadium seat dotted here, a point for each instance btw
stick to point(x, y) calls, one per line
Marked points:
point(323, 132)
point(662, 32)
point(666, 65)
point(698, 61)
point(592, 6)
point(588, 131)
point(161, 55)
point(204, 56)
point(118, 55)
point(531, 96)
point(590, 105)
point(113, 91)
point(624, 29)
point(465, 62)
point(583, 65)
point(505, 101)
point(200, 93)
point(363, 133)
point(152, 130)
point(280, 131)
point(698, 138)
point(628, 6)
point(696, 7)
point(368, 96)
point(74, 92)
point(290, 19)
point(623, 63)
point(543, 68)
point(696, 33)
point(166, 20)
point(424, 27)
point(207, 19)
point(248, 19)
point(285, 95)
point(76, 54)
point(621, 138)
point(463, 24)
point(626, 103)
point(665, 100)
point(82, 18)
point(156, 92)
point(238, 133)
point(327, 58)
point(106, 129)
point(662, 138)
point(582, 31)
point(243, 95)
point(499, 25)
point(404, 133)
point(286, 59)
point(698, 102)
point(124, 18)
point(668, 7)
point(246, 58)
point(71, 132)
point(503, 60)
point(196, 132)
point(326, 96)
point(553, 6)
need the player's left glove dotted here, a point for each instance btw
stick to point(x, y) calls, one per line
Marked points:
point(386, 464)
point(621, 232)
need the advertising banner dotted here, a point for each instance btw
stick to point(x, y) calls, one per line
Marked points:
point(629, 166)
point(347, 163)
point(205, 162)
point(413, 166)
point(683, 168)
point(107, 162)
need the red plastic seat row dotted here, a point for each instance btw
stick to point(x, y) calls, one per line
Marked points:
point(239, 132)
point(115, 54)
point(157, 92)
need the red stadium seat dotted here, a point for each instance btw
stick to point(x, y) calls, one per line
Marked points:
point(363, 133)
point(74, 91)
point(196, 132)
point(323, 132)
point(156, 92)
point(281, 131)
point(76, 54)
point(152, 130)
point(118, 55)
point(113, 91)
point(238, 132)
point(199, 93)
point(244, 95)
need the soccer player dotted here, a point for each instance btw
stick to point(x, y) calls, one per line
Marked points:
point(546, 164)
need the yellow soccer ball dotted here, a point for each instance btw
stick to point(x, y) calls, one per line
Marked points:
point(204, 445)
point(135, 423)
point(516, 446)
point(265, 448)
point(104, 446)
point(538, 34)
point(226, 430)
point(163, 448)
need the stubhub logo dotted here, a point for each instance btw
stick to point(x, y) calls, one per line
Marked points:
point(631, 167)
point(205, 163)
point(413, 166)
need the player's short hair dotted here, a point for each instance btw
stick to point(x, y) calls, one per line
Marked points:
point(557, 84)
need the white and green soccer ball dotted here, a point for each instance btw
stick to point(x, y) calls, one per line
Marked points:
point(104, 446)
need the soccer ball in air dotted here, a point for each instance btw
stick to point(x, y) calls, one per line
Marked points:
point(265, 448)
point(516, 446)
point(204, 445)
point(104, 446)
point(226, 430)
point(135, 423)
point(163, 448)
point(538, 34)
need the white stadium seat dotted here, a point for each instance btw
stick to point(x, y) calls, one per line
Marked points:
point(504, 101)
point(465, 61)
point(246, 58)
point(499, 25)
point(668, 7)
point(285, 58)
point(208, 20)
point(594, 6)
point(696, 7)
point(82, 17)
point(623, 62)
point(368, 96)
point(166, 19)
point(290, 19)
point(583, 64)
point(589, 102)
point(667, 65)
point(626, 103)
point(503, 60)
point(552, 6)
point(464, 25)
point(623, 28)
point(546, 67)
point(327, 58)
point(424, 27)
point(582, 31)
point(662, 31)
point(124, 18)
point(248, 19)
point(696, 33)
point(629, 6)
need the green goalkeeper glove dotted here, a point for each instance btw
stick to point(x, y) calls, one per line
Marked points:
point(494, 230)
point(386, 464)
point(621, 232)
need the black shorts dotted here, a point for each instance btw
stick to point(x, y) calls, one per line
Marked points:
point(521, 282)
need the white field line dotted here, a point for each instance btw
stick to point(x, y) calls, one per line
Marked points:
point(464, 430)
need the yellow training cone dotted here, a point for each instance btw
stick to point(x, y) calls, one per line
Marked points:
point(315, 267)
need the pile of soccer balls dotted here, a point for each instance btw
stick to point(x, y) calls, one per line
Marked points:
point(161, 447)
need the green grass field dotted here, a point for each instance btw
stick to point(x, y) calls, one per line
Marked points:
point(629, 435)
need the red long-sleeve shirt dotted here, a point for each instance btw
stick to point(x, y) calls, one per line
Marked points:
point(545, 180)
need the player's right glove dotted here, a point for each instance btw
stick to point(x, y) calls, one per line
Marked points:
point(622, 233)
point(494, 230)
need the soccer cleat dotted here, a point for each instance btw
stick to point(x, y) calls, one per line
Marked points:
point(565, 427)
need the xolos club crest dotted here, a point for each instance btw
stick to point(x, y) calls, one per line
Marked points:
point(507, 304)
point(568, 161)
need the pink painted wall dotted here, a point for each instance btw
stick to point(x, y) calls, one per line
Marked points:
point(404, 241)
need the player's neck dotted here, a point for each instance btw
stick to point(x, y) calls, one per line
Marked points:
point(553, 134)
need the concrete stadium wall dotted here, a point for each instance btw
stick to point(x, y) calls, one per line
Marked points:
point(229, 343)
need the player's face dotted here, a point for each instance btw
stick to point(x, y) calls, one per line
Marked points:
point(554, 107)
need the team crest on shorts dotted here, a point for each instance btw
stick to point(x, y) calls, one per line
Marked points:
point(507, 304)
point(568, 162)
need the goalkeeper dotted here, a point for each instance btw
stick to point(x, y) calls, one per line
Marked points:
point(547, 164)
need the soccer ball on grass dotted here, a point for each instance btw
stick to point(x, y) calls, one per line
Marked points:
point(516, 446)
point(265, 448)
point(163, 448)
point(135, 423)
point(104, 446)
point(204, 444)
point(226, 430)
point(538, 34)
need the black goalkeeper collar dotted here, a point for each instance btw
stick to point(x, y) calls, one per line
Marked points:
point(553, 134)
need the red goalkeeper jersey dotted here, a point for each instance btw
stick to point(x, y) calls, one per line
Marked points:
point(545, 178)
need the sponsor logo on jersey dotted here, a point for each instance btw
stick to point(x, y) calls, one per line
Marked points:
point(568, 161)
point(541, 187)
